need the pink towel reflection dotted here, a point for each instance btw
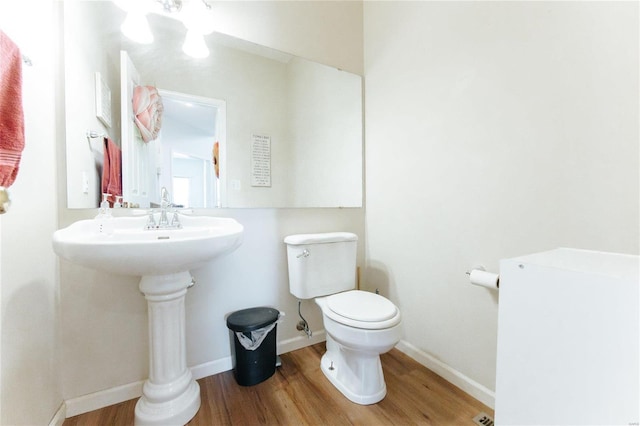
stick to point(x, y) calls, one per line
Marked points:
point(147, 108)
point(112, 171)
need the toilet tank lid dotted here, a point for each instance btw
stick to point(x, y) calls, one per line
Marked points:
point(327, 237)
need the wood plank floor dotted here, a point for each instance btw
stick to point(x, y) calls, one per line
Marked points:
point(299, 394)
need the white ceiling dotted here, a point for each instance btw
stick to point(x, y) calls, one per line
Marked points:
point(198, 118)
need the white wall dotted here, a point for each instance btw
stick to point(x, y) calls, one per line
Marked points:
point(103, 317)
point(325, 161)
point(328, 32)
point(31, 391)
point(493, 129)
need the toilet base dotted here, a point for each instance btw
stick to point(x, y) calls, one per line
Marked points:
point(361, 382)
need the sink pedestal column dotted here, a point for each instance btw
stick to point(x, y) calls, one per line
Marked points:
point(170, 396)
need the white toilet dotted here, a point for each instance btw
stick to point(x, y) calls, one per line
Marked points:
point(360, 325)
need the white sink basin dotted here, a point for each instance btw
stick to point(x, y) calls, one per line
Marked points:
point(162, 257)
point(132, 250)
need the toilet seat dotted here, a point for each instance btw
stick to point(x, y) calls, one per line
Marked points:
point(362, 309)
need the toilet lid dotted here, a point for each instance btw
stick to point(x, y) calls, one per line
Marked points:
point(362, 306)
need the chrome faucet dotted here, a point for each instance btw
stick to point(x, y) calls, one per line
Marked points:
point(163, 221)
point(165, 203)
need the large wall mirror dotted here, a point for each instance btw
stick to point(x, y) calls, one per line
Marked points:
point(287, 131)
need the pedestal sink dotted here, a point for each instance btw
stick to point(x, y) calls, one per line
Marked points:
point(163, 258)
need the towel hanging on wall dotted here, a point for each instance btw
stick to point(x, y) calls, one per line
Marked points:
point(11, 112)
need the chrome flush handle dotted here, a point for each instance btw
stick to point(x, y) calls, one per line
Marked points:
point(305, 253)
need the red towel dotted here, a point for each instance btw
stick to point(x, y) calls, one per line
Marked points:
point(112, 171)
point(11, 113)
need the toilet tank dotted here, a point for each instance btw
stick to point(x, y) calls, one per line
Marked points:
point(321, 264)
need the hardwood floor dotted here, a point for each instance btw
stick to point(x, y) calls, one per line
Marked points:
point(299, 394)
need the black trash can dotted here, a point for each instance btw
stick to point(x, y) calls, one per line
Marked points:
point(255, 365)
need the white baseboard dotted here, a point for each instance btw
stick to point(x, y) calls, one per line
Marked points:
point(212, 367)
point(115, 395)
point(59, 416)
point(104, 398)
point(300, 342)
point(94, 401)
point(450, 374)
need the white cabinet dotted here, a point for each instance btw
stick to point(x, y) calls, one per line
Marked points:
point(568, 331)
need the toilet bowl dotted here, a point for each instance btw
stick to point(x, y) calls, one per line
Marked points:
point(352, 361)
point(359, 325)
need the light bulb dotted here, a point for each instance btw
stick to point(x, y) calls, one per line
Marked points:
point(194, 45)
point(136, 27)
point(197, 17)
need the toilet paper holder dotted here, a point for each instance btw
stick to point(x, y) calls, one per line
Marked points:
point(484, 279)
point(478, 267)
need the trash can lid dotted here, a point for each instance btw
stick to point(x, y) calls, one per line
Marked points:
point(252, 319)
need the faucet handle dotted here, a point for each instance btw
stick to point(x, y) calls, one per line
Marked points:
point(165, 198)
point(175, 220)
point(151, 222)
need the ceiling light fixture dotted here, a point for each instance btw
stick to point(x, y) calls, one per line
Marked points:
point(194, 14)
point(194, 45)
point(136, 27)
point(171, 6)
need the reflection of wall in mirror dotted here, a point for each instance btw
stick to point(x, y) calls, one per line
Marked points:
point(186, 154)
point(191, 182)
point(326, 163)
point(312, 113)
point(84, 55)
point(254, 89)
point(315, 129)
point(192, 127)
